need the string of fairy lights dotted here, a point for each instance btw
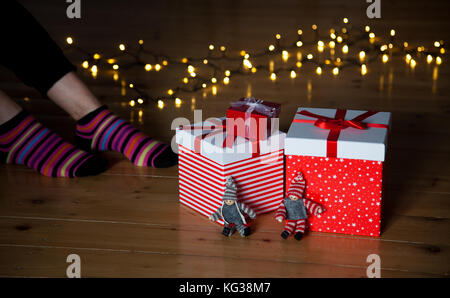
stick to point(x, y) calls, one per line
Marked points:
point(336, 42)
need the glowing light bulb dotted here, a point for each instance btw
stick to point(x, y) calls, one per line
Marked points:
point(390, 45)
point(371, 35)
point(320, 46)
point(122, 47)
point(170, 92)
point(333, 36)
point(111, 61)
point(254, 69)
point(309, 56)
point(362, 55)
point(115, 66)
point(94, 68)
point(339, 39)
point(278, 36)
point(319, 70)
point(185, 80)
point(157, 67)
point(392, 32)
point(442, 51)
point(85, 64)
point(115, 77)
point(344, 30)
point(223, 48)
point(140, 101)
point(148, 67)
point(363, 69)
point(178, 102)
point(165, 62)
point(69, 40)
point(345, 20)
point(160, 104)
point(298, 64)
point(205, 61)
point(285, 55)
point(271, 47)
point(437, 44)
point(96, 56)
point(226, 80)
point(214, 90)
point(193, 74)
point(345, 49)
point(247, 55)
point(204, 85)
point(429, 59)
point(299, 43)
point(385, 58)
point(336, 71)
point(132, 103)
point(184, 60)
point(332, 44)
point(131, 85)
point(247, 63)
point(438, 60)
point(314, 27)
point(408, 58)
point(293, 74)
point(190, 68)
point(273, 76)
point(405, 44)
point(211, 47)
point(367, 28)
point(383, 48)
point(213, 80)
point(141, 42)
point(242, 53)
point(227, 73)
point(413, 63)
point(299, 31)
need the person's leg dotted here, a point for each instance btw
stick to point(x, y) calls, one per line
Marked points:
point(300, 227)
point(36, 59)
point(288, 228)
point(8, 109)
point(25, 141)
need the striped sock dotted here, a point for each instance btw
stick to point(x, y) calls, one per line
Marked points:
point(101, 130)
point(24, 141)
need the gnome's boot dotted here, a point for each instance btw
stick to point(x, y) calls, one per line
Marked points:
point(245, 231)
point(227, 231)
point(285, 234)
point(298, 236)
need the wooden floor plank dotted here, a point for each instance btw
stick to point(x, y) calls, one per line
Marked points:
point(315, 249)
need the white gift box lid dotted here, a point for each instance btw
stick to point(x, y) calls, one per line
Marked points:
point(310, 140)
point(212, 145)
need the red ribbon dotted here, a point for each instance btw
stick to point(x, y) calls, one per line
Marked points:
point(228, 142)
point(336, 124)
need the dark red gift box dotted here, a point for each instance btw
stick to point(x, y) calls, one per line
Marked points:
point(255, 117)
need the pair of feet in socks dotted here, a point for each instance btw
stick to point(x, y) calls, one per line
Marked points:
point(23, 140)
point(298, 236)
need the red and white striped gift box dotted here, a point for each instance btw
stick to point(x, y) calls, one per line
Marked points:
point(202, 175)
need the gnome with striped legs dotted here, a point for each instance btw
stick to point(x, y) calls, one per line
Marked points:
point(233, 212)
point(293, 209)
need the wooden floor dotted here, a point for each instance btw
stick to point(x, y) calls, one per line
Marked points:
point(127, 222)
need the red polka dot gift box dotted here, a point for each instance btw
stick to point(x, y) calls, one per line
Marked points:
point(341, 154)
point(209, 152)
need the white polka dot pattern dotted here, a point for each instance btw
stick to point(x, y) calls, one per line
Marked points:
point(349, 189)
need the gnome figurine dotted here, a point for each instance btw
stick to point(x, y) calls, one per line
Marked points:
point(233, 212)
point(293, 209)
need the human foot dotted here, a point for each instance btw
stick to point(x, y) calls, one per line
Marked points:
point(23, 140)
point(101, 130)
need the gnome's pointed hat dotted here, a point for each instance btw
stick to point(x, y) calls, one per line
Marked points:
point(230, 190)
point(297, 187)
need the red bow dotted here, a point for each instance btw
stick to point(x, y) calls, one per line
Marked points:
point(336, 124)
point(228, 142)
